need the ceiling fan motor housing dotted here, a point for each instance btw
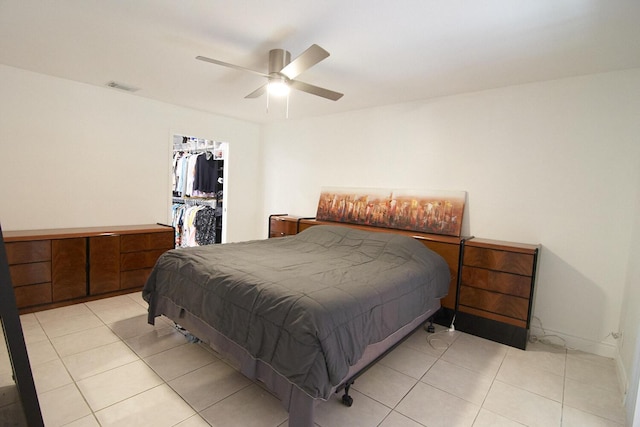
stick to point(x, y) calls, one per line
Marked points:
point(278, 59)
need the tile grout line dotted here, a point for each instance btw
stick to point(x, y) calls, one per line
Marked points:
point(75, 383)
point(493, 380)
point(449, 344)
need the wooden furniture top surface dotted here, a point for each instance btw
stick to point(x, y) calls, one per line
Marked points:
point(502, 245)
point(284, 217)
point(66, 233)
point(415, 234)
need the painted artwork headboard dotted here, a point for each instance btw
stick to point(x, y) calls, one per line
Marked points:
point(426, 211)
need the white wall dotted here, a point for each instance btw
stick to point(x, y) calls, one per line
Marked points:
point(629, 344)
point(77, 155)
point(554, 163)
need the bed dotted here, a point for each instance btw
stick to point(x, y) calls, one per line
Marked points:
point(303, 314)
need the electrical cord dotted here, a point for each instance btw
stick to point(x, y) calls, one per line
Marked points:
point(432, 337)
point(545, 338)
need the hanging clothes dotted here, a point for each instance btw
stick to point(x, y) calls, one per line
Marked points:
point(207, 172)
point(195, 225)
point(205, 224)
point(178, 222)
point(196, 174)
point(197, 187)
point(190, 175)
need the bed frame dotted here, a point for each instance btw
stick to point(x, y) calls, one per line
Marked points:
point(299, 404)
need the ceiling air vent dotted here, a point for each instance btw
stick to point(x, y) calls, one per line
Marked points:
point(120, 86)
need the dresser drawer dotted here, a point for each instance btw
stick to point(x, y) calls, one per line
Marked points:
point(134, 278)
point(32, 295)
point(137, 260)
point(496, 281)
point(30, 274)
point(510, 262)
point(147, 241)
point(165, 240)
point(25, 252)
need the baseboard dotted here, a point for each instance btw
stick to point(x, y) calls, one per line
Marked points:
point(623, 380)
point(576, 343)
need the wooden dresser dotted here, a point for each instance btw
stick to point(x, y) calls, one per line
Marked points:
point(51, 268)
point(496, 290)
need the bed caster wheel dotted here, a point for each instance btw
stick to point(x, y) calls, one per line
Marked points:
point(347, 400)
point(430, 328)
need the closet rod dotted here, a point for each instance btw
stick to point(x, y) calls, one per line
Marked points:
point(203, 202)
point(194, 150)
point(200, 150)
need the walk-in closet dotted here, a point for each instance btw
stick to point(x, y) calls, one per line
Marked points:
point(197, 194)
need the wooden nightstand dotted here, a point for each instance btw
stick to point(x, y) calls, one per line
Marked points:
point(495, 292)
point(281, 225)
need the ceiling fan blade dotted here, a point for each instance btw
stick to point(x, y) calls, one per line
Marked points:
point(258, 92)
point(226, 64)
point(306, 60)
point(315, 90)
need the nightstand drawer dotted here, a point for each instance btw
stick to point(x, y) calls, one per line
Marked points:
point(511, 262)
point(496, 281)
point(493, 302)
point(280, 226)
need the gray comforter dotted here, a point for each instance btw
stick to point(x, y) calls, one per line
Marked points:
point(308, 304)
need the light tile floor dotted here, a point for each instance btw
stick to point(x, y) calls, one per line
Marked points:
point(100, 363)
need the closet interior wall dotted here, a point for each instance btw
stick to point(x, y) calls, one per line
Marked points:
point(198, 190)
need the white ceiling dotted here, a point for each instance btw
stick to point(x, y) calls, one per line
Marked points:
point(382, 52)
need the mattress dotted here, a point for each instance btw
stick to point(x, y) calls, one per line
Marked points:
point(308, 305)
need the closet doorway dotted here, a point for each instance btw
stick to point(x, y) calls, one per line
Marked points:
point(199, 171)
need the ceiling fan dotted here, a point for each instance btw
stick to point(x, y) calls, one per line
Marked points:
point(283, 71)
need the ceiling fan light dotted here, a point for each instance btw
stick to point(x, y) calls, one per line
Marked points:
point(278, 88)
